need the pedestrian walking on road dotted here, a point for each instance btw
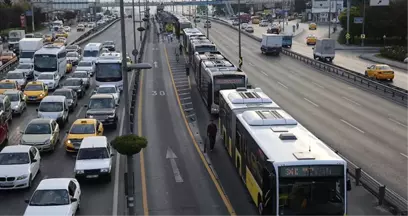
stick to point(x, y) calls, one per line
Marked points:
point(212, 133)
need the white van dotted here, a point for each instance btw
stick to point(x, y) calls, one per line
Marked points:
point(54, 107)
point(92, 51)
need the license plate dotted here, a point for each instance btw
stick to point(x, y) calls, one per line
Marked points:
point(6, 184)
point(92, 176)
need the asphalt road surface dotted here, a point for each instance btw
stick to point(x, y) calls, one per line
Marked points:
point(97, 198)
point(367, 129)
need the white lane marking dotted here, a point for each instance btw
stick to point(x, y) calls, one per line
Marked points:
point(62, 142)
point(397, 122)
point(404, 155)
point(318, 85)
point(282, 85)
point(351, 101)
point(117, 167)
point(79, 112)
point(250, 64)
point(264, 73)
point(172, 157)
point(349, 124)
point(311, 102)
point(155, 64)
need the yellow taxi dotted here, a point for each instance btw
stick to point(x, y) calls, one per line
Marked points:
point(80, 129)
point(48, 38)
point(60, 41)
point(380, 72)
point(35, 91)
point(128, 60)
point(8, 85)
point(311, 40)
point(312, 26)
point(61, 34)
point(69, 67)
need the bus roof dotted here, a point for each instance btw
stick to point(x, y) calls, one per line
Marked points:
point(243, 99)
point(192, 31)
point(216, 55)
point(218, 63)
point(93, 46)
point(110, 57)
point(284, 141)
point(53, 49)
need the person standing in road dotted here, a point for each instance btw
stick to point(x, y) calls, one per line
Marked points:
point(212, 133)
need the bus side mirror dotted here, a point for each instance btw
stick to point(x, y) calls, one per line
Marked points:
point(348, 185)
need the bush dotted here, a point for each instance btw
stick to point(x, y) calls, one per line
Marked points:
point(129, 144)
point(398, 53)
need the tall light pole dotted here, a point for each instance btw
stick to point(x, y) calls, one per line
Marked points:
point(126, 125)
point(239, 35)
point(362, 39)
point(330, 6)
point(140, 20)
point(134, 29)
point(208, 29)
point(348, 20)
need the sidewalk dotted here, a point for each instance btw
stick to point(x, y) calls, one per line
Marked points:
point(373, 57)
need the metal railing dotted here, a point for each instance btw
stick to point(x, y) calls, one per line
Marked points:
point(397, 204)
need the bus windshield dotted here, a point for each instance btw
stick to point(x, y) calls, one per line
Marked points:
point(43, 63)
point(91, 53)
point(108, 72)
point(227, 82)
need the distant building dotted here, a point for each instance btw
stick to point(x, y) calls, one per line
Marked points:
point(321, 12)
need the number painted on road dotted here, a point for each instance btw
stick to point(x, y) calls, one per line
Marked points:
point(161, 93)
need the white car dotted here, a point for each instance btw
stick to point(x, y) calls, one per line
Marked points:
point(43, 133)
point(81, 27)
point(94, 159)
point(235, 22)
point(55, 196)
point(88, 66)
point(67, 28)
point(28, 69)
point(100, 22)
point(91, 25)
point(19, 165)
point(264, 23)
point(244, 25)
point(18, 101)
point(249, 29)
point(73, 57)
point(18, 76)
point(51, 79)
point(109, 89)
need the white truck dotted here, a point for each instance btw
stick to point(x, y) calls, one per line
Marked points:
point(14, 37)
point(28, 46)
point(271, 43)
point(324, 49)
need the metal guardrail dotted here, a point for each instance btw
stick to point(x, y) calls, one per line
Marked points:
point(87, 35)
point(397, 204)
point(394, 93)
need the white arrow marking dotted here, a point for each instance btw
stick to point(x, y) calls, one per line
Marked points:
point(172, 157)
point(155, 64)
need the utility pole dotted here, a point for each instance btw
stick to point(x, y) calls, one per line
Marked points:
point(348, 20)
point(362, 39)
point(330, 6)
point(208, 29)
point(126, 125)
point(239, 34)
point(140, 21)
point(32, 17)
point(134, 29)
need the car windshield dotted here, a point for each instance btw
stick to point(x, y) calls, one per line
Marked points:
point(24, 66)
point(101, 103)
point(72, 82)
point(46, 77)
point(72, 54)
point(53, 197)
point(13, 97)
point(13, 158)
point(50, 107)
point(15, 76)
point(38, 128)
point(92, 153)
point(384, 67)
point(34, 87)
point(84, 64)
point(103, 90)
point(91, 53)
point(7, 85)
point(71, 47)
point(67, 94)
point(79, 75)
point(109, 43)
point(82, 129)
point(26, 55)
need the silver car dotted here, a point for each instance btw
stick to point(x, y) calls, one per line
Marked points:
point(84, 76)
point(17, 100)
point(17, 76)
point(42, 133)
point(28, 69)
point(73, 57)
point(88, 66)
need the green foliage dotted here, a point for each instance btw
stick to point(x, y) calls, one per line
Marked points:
point(107, 13)
point(355, 29)
point(69, 15)
point(202, 9)
point(300, 6)
point(129, 144)
point(10, 17)
point(8, 2)
point(398, 53)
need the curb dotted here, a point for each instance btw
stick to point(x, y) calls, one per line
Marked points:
point(379, 60)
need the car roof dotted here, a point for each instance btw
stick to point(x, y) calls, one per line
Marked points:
point(16, 148)
point(41, 120)
point(35, 83)
point(94, 142)
point(46, 73)
point(54, 183)
point(73, 78)
point(80, 71)
point(101, 96)
point(106, 85)
point(15, 71)
point(54, 98)
point(85, 120)
point(12, 91)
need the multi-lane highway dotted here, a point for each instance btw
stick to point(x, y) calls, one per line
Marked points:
point(367, 129)
point(97, 198)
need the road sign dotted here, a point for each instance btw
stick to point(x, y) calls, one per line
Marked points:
point(135, 52)
point(362, 36)
point(358, 20)
point(379, 2)
point(348, 36)
point(240, 62)
point(28, 13)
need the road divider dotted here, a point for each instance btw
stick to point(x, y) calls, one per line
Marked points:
point(81, 39)
point(391, 92)
point(386, 197)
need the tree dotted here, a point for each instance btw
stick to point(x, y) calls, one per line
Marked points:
point(201, 9)
point(355, 29)
point(107, 12)
point(8, 2)
point(69, 15)
point(300, 6)
point(129, 144)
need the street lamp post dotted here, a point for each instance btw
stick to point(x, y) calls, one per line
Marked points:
point(208, 30)
point(134, 29)
point(140, 21)
point(348, 20)
point(239, 34)
point(362, 39)
point(330, 6)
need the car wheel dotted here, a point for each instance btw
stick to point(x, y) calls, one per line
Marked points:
point(109, 178)
point(30, 181)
